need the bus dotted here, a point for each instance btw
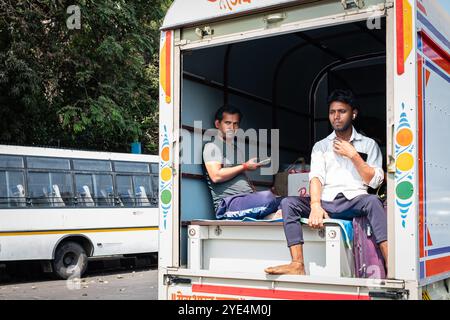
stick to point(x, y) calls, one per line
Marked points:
point(63, 206)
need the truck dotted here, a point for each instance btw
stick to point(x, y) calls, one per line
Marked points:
point(277, 60)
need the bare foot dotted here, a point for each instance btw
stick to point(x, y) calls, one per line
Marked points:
point(292, 268)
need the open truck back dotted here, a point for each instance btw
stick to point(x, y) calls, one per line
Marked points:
point(277, 61)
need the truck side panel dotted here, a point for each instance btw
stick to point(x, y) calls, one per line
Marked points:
point(433, 85)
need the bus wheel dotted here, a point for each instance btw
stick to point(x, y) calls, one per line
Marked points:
point(70, 261)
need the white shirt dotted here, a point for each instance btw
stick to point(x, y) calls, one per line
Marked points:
point(338, 174)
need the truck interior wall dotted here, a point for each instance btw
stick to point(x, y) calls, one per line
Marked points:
point(275, 76)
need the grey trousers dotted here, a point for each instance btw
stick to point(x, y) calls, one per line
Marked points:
point(294, 208)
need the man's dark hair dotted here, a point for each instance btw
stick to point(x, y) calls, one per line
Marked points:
point(344, 96)
point(226, 108)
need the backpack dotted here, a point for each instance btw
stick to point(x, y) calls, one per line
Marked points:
point(369, 262)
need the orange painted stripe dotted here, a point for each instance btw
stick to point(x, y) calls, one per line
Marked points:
point(427, 76)
point(429, 241)
point(34, 233)
point(162, 67)
point(435, 53)
point(407, 30)
point(437, 266)
point(275, 294)
point(420, 151)
point(400, 40)
point(168, 70)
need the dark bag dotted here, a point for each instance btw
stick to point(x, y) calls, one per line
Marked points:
point(369, 262)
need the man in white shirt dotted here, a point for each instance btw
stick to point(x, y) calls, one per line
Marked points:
point(343, 166)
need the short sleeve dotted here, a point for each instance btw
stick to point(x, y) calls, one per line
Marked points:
point(212, 153)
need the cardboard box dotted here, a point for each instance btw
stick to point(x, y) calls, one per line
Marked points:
point(298, 184)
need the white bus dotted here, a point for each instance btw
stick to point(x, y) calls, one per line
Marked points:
point(64, 206)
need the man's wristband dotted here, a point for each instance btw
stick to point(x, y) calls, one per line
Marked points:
point(245, 166)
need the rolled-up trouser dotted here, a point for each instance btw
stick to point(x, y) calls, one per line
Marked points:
point(255, 205)
point(294, 208)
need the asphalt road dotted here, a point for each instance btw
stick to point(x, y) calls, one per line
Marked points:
point(118, 284)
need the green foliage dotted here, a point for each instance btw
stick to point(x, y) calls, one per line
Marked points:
point(93, 88)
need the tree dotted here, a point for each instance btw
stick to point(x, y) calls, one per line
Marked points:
point(93, 88)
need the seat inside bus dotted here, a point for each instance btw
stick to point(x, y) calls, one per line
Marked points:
point(279, 82)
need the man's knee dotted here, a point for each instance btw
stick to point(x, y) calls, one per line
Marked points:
point(287, 205)
point(374, 207)
point(373, 201)
point(287, 202)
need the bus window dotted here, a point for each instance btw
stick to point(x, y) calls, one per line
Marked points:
point(92, 165)
point(154, 167)
point(135, 167)
point(103, 190)
point(143, 190)
point(50, 189)
point(125, 190)
point(48, 163)
point(135, 190)
point(11, 162)
point(84, 190)
point(155, 181)
point(12, 191)
point(94, 190)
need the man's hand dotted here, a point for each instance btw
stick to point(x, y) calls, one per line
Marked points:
point(316, 216)
point(344, 148)
point(251, 165)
